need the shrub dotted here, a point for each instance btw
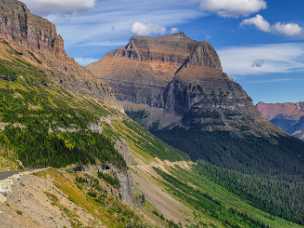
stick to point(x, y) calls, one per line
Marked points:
point(112, 180)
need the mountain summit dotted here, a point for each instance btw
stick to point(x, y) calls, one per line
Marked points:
point(182, 78)
point(151, 63)
point(176, 87)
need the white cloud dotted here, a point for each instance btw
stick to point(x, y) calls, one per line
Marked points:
point(103, 44)
point(46, 7)
point(111, 21)
point(174, 30)
point(233, 8)
point(259, 22)
point(108, 25)
point(289, 29)
point(144, 29)
point(263, 59)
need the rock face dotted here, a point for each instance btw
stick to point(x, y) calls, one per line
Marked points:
point(287, 116)
point(140, 71)
point(176, 87)
point(20, 26)
point(210, 101)
point(176, 49)
point(180, 76)
point(35, 40)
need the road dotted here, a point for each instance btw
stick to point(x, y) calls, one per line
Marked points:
point(7, 174)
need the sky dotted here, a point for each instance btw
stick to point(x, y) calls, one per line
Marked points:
point(260, 42)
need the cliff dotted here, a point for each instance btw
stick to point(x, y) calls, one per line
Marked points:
point(35, 40)
point(176, 49)
point(140, 71)
point(180, 76)
point(23, 28)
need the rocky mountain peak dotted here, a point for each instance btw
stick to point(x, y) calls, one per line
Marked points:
point(181, 76)
point(176, 48)
point(36, 41)
point(18, 25)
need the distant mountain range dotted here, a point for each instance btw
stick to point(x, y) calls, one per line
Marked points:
point(287, 116)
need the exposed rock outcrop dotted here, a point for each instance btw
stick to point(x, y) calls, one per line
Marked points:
point(177, 75)
point(140, 71)
point(210, 102)
point(177, 49)
point(20, 26)
point(35, 40)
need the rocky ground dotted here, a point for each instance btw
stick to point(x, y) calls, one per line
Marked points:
point(30, 201)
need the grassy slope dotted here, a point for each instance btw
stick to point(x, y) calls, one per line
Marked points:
point(89, 193)
point(212, 204)
point(43, 125)
point(145, 144)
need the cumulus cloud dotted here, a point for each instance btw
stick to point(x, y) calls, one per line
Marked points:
point(144, 29)
point(46, 7)
point(111, 21)
point(263, 59)
point(233, 8)
point(174, 30)
point(287, 29)
point(259, 22)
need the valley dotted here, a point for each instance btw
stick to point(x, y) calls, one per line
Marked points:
point(155, 134)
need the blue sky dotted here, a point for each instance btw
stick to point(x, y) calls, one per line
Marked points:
point(260, 42)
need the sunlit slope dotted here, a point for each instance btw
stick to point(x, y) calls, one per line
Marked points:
point(179, 190)
point(43, 125)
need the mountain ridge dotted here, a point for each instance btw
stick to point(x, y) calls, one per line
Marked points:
point(152, 63)
point(35, 39)
point(288, 116)
point(156, 62)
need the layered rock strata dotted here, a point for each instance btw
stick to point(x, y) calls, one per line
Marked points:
point(36, 40)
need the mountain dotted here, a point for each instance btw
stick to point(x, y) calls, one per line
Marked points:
point(71, 157)
point(176, 87)
point(287, 116)
point(35, 40)
point(141, 70)
point(288, 110)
